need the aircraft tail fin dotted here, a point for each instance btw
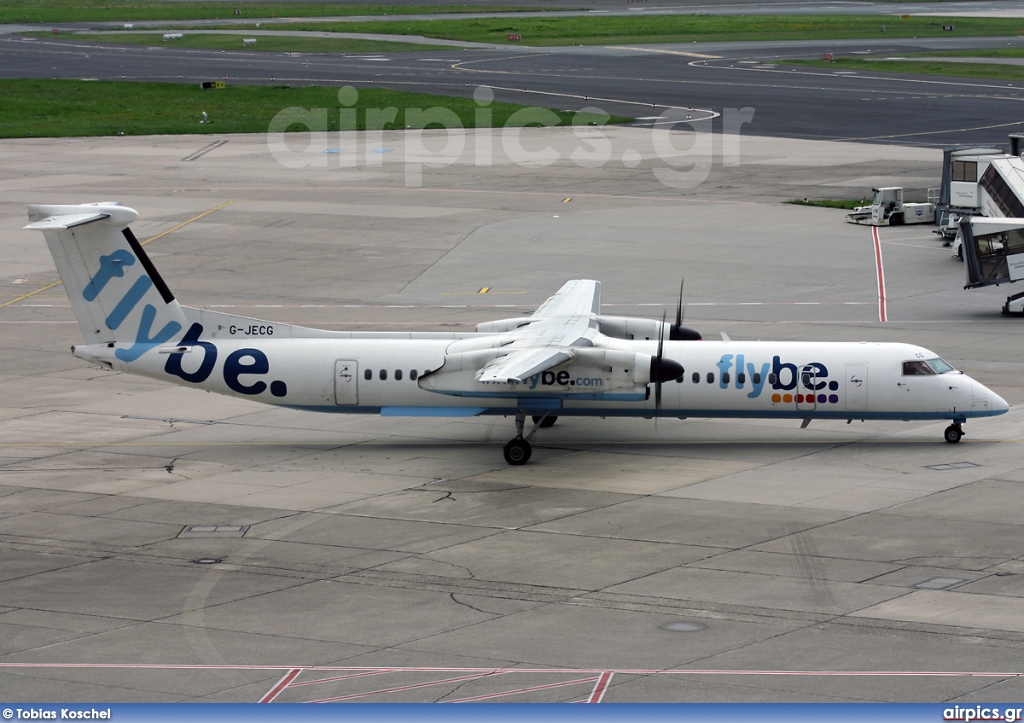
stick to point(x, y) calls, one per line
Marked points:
point(115, 291)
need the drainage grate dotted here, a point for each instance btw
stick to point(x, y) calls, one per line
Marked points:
point(940, 583)
point(953, 465)
point(214, 531)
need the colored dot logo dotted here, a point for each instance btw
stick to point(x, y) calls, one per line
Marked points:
point(806, 399)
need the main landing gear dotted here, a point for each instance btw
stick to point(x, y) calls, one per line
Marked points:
point(519, 450)
point(953, 433)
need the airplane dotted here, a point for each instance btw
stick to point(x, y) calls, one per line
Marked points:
point(566, 359)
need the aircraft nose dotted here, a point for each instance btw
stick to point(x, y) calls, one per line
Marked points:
point(982, 395)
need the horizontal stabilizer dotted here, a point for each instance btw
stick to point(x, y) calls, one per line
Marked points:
point(44, 217)
point(69, 221)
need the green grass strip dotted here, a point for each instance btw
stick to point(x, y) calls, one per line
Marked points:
point(78, 11)
point(844, 203)
point(57, 108)
point(613, 30)
point(987, 53)
point(989, 71)
point(265, 43)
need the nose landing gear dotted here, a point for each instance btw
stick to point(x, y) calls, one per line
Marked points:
point(953, 433)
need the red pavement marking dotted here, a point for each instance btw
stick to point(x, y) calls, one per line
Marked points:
point(600, 687)
point(349, 677)
point(880, 273)
point(522, 690)
point(496, 671)
point(412, 687)
point(281, 685)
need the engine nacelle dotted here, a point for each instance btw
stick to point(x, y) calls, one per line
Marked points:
point(502, 326)
point(591, 374)
point(633, 327)
point(475, 343)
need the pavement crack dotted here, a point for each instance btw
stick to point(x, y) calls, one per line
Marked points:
point(471, 607)
point(169, 469)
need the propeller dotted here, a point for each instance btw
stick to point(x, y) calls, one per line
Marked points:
point(678, 332)
point(662, 369)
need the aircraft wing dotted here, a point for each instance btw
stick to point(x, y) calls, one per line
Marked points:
point(575, 298)
point(565, 320)
point(522, 364)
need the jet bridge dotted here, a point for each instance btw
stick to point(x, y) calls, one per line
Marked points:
point(981, 182)
point(993, 252)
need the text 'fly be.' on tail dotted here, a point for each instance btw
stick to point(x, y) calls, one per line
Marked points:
point(567, 359)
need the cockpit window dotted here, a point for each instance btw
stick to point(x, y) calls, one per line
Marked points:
point(926, 367)
point(939, 366)
point(916, 368)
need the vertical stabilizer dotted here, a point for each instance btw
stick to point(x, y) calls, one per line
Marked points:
point(116, 293)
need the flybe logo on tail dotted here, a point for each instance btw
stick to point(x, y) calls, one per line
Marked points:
point(248, 362)
point(807, 383)
point(240, 363)
point(113, 266)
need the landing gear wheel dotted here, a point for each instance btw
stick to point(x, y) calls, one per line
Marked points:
point(953, 433)
point(544, 422)
point(518, 451)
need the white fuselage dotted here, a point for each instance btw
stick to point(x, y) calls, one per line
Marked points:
point(805, 380)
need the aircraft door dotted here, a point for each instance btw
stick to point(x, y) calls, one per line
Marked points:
point(856, 387)
point(806, 396)
point(346, 382)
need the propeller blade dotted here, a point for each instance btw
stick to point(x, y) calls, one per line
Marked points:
point(678, 332)
point(658, 359)
point(679, 306)
point(662, 369)
point(661, 337)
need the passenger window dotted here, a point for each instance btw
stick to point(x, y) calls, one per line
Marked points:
point(368, 374)
point(741, 378)
point(413, 374)
point(383, 375)
point(696, 377)
point(916, 368)
point(757, 377)
point(772, 379)
point(725, 377)
point(711, 377)
point(398, 375)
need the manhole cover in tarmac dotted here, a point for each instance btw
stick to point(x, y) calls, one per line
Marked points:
point(683, 626)
point(953, 465)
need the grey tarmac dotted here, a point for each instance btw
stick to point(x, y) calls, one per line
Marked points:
point(161, 544)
